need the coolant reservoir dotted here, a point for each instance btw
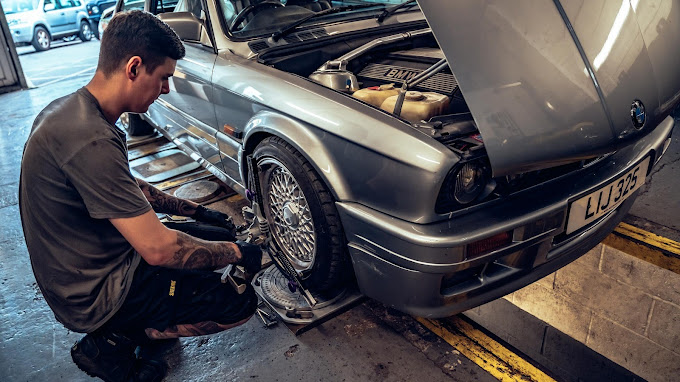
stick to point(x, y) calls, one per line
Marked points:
point(376, 95)
point(418, 106)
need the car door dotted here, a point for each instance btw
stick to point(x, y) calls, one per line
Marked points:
point(55, 16)
point(190, 100)
point(190, 103)
point(69, 9)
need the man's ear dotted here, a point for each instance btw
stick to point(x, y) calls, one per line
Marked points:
point(133, 66)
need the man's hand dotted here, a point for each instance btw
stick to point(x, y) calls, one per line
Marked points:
point(251, 257)
point(214, 217)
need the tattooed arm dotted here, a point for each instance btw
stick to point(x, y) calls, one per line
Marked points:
point(165, 203)
point(159, 245)
point(194, 253)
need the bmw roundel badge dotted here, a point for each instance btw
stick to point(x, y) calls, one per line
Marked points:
point(637, 114)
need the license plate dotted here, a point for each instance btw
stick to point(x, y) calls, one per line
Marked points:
point(596, 204)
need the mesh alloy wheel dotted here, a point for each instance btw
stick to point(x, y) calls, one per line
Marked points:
point(292, 222)
point(303, 218)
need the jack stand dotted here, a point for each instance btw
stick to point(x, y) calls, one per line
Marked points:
point(293, 309)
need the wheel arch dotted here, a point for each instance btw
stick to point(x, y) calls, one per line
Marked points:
point(43, 25)
point(302, 137)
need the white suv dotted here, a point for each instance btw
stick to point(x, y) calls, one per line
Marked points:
point(39, 22)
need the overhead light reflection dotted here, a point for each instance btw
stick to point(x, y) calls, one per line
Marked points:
point(298, 108)
point(613, 34)
point(251, 92)
point(427, 159)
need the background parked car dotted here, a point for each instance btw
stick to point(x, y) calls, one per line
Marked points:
point(106, 16)
point(39, 22)
point(95, 10)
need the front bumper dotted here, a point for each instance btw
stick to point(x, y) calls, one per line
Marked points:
point(22, 34)
point(421, 269)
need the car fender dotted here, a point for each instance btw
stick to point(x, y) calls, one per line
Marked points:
point(82, 16)
point(299, 135)
point(42, 23)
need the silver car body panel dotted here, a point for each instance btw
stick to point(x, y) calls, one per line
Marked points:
point(426, 259)
point(385, 175)
point(521, 68)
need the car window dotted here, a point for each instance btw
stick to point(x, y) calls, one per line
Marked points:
point(17, 6)
point(49, 5)
point(268, 20)
point(163, 6)
point(193, 6)
point(133, 4)
point(65, 3)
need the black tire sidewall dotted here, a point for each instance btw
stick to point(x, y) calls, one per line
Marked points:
point(137, 126)
point(81, 33)
point(323, 275)
point(35, 42)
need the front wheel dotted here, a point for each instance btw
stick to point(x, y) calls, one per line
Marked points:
point(135, 125)
point(41, 39)
point(302, 215)
point(85, 33)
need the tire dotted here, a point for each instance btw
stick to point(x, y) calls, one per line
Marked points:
point(85, 33)
point(302, 215)
point(135, 125)
point(41, 39)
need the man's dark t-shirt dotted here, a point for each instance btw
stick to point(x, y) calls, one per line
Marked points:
point(74, 177)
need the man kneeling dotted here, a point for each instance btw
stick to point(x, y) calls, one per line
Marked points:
point(104, 262)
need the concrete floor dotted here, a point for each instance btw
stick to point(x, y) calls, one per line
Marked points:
point(367, 343)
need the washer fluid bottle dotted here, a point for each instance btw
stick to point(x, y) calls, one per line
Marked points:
point(376, 95)
point(418, 106)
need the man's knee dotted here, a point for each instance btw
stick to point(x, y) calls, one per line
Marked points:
point(241, 308)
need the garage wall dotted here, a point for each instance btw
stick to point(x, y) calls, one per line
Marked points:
point(620, 306)
point(11, 75)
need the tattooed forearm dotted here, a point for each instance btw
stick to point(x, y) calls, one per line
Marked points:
point(166, 203)
point(193, 253)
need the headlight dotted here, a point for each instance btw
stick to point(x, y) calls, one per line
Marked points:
point(471, 180)
point(466, 183)
point(95, 9)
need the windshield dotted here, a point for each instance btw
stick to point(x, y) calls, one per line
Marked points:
point(17, 6)
point(250, 18)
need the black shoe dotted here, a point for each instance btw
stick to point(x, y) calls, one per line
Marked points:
point(111, 357)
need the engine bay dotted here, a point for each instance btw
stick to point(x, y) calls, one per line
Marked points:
point(404, 74)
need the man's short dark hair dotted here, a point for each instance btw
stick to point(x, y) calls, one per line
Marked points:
point(137, 33)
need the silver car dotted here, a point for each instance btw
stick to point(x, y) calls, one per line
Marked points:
point(440, 153)
point(39, 22)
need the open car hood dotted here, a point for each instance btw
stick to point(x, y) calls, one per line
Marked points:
point(550, 82)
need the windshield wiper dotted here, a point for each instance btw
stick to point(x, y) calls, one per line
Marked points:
point(390, 11)
point(291, 27)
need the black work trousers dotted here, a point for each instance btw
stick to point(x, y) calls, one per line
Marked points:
point(163, 297)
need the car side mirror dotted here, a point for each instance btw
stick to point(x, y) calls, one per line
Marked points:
point(48, 7)
point(185, 24)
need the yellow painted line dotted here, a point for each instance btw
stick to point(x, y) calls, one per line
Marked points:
point(654, 249)
point(654, 240)
point(490, 355)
